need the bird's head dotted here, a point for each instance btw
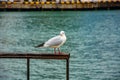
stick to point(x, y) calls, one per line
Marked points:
point(62, 33)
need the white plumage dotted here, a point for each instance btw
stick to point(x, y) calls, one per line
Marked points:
point(55, 42)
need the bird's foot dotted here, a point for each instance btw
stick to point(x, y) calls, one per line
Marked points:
point(61, 53)
point(55, 53)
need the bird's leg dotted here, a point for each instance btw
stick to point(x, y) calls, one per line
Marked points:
point(59, 51)
point(54, 50)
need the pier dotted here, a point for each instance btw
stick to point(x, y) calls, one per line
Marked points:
point(52, 5)
point(29, 56)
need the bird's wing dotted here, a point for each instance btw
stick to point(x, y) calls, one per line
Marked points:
point(55, 41)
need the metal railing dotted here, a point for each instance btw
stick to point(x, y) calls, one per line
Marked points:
point(29, 56)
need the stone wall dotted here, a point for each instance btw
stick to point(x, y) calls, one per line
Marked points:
point(50, 5)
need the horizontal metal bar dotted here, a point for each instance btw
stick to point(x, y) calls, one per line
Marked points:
point(35, 56)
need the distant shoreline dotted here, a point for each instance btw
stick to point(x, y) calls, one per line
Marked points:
point(59, 7)
point(86, 9)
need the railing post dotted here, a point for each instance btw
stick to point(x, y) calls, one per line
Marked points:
point(67, 69)
point(28, 69)
point(29, 56)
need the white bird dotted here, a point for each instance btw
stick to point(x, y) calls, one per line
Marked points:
point(55, 42)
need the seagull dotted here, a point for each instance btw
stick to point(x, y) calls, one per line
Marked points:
point(55, 42)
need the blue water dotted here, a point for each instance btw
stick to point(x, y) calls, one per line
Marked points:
point(93, 41)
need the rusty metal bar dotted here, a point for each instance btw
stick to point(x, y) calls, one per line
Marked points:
point(28, 69)
point(34, 56)
point(67, 69)
point(29, 56)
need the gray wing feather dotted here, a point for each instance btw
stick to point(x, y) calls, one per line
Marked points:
point(55, 41)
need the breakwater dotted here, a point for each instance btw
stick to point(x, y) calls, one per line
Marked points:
point(59, 6)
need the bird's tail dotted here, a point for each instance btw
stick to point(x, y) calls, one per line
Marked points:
point(40, 45)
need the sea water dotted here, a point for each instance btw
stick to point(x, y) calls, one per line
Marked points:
point(93, 41)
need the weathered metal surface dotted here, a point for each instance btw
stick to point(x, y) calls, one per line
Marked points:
point(35, 56)
point(29, 56)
